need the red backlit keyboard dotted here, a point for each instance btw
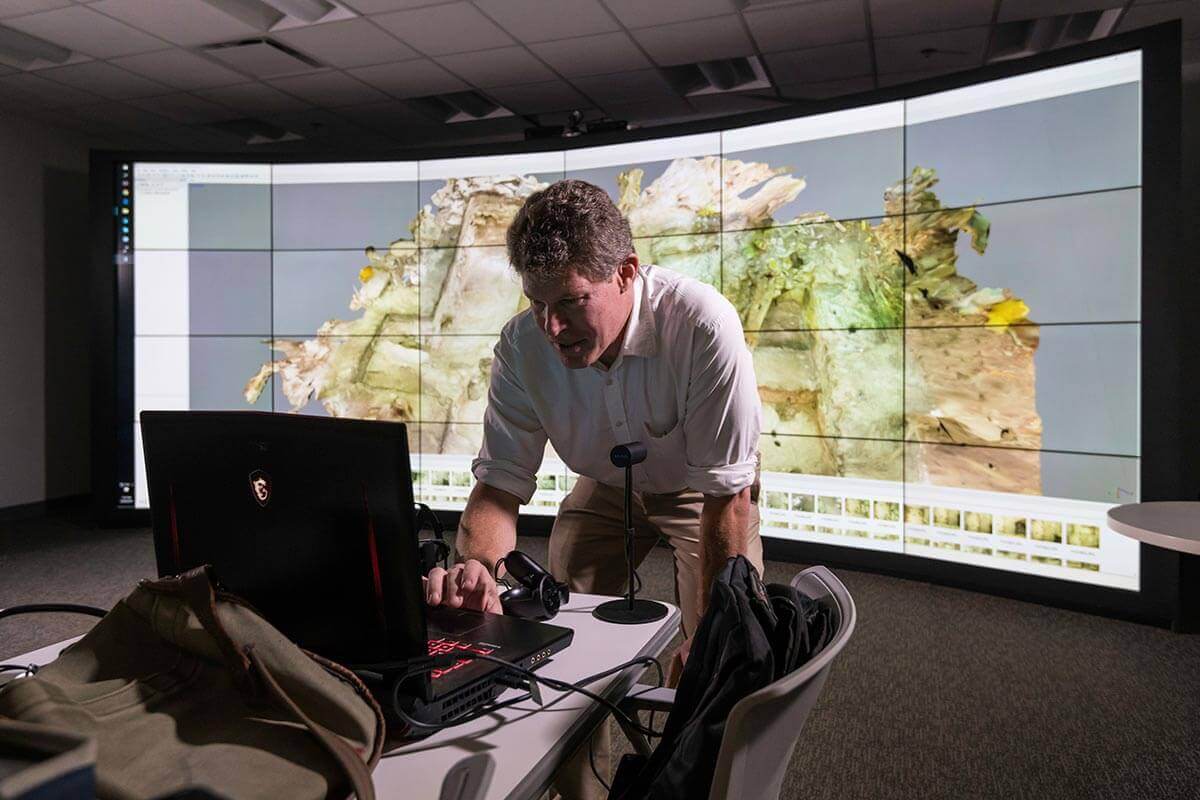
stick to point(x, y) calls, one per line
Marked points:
point(439, 647)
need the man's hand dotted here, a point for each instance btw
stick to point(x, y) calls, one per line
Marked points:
point(466, 585)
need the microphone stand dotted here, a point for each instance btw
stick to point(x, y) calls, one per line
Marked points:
point(630, 610)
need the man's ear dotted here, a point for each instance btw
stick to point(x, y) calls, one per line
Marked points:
point(627, 272)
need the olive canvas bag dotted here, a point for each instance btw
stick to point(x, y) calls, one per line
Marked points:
point(184, 687)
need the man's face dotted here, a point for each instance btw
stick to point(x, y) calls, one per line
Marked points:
point(584, 320)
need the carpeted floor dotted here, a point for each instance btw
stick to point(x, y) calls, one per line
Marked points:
point(941, 693)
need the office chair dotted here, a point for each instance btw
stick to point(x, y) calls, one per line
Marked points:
point(762, 728)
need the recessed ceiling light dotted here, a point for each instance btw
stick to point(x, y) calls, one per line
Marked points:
point(25, 49)
point(307, 10)
point(256, 14)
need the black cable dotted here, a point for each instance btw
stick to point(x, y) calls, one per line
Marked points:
point(70, 608)
point(563, 686)
point(30, 668)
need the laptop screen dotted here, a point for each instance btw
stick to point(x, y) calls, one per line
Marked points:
point(307, 518)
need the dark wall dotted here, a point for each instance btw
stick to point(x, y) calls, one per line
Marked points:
point(67, 378)
point(43, 253)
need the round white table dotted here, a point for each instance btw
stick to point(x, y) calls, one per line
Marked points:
point(1173, 525)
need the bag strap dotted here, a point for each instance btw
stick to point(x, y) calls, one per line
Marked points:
point(350, 762)
point(196, 589)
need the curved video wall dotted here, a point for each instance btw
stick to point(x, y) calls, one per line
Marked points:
point(941, 295)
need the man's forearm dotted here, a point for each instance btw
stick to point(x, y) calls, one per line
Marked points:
point(724, 522)
point(487, 530)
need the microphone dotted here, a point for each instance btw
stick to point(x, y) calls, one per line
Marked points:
point(629, 610)
point(628, 454)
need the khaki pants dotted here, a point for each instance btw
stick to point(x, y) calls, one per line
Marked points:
point(587, 550)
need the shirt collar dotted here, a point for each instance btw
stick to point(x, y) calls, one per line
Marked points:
point(641, 334)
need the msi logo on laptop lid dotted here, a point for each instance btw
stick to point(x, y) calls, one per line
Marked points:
point(260, 487)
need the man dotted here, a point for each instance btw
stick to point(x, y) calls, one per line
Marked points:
point(612, 351)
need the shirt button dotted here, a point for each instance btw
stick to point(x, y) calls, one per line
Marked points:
point(620, 424)
point(610, 381)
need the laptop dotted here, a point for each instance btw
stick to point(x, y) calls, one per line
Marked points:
point(311, 520)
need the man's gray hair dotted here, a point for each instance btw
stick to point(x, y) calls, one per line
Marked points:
point(570, 224)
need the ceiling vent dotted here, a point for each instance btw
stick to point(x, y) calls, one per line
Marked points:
point(714, 77)
point(24, 49)
point(460, 107)
point(1030, 36)
point(262, 58)
point(255, 131)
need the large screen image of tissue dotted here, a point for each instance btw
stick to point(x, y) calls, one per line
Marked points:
point(940, 294)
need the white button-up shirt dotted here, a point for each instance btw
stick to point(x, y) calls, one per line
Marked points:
point(683, 384)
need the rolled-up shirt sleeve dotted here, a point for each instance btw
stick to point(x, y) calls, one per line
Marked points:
point(723, 416)
point(514, 440)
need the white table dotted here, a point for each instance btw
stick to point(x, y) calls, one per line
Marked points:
point(527, 743)
point(1173, 525)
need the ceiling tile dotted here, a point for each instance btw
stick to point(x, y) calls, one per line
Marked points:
point(185, 108)
point(380, 6)
point(451, 28)
point(181, 69)
point(128, 140)
point(533, 98)
point(185, 24)
point(543, 20)
point(505, 66)
point(697, 40)
point(198, 138)
point(82, 29)
point(254, 98)
point(317, 123)
point(36, 91)
point(1032, 9)
point(897, 17)
point(808, 25)
point(835, 61)
point(591, 55)
point(117, 115)
point(1141, 15)
point(626, 87)
point(354, 43)
point(902, 78)
point(329, 89)
point(40, 63)
point(104, 80)
point(959, 49)
point(486, 130)
point(650, 112)
point(417, 78)
point(735, 103)
point(823, 89)
point(391, 117)
point(17, 112)
point(641, 14)
point(18, 8)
